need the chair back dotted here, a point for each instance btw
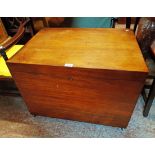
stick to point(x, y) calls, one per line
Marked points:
point(13, 40)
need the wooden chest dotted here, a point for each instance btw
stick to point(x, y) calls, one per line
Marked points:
point(91, 75)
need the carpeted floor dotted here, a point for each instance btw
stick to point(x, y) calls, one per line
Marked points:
point(16, 121)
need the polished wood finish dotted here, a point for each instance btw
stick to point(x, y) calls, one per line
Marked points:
point(86, 48)
point(101, 82)
point(17, 36)
point(3, 33)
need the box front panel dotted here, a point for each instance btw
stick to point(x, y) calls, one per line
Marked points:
point(77, 94)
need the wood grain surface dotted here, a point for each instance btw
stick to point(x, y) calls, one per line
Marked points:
point(86, 48)
point(92, 90)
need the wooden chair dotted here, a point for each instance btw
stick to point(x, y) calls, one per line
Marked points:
point(150, 61)
point(151, 87)
point(7, 50)
point(12, 25)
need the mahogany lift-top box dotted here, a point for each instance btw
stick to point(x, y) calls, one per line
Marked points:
point(84, 74)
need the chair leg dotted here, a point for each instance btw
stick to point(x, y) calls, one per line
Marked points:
point(128, 22)
point(149, 100)
point(136, 23)
point(144, 95)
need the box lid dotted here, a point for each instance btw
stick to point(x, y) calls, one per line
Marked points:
point(98, 48)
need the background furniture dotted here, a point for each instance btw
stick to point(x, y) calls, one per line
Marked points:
point(7, 50)
point(92, 22)
point(144, 40)
point(151, 87)
point(145, 36)
point(3, 34)
point(12, 24)
point(129, 22)
point(77, 22)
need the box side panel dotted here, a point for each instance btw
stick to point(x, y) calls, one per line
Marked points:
point(82, 95)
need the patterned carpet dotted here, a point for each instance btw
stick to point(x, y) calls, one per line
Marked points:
point(16, 121)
